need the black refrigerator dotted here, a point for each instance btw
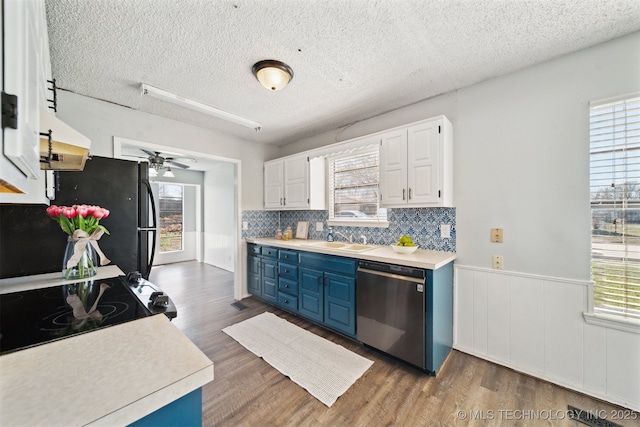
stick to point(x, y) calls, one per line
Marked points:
point(32, 243)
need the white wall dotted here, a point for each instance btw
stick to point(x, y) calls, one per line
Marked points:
point(521, 162)
point(219, 224)
point(101, 121)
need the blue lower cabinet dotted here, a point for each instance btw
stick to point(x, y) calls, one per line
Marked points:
point(319, 287)
point(185, 411)
point(270, 280)
point(340, 303)
point(311, 296)
point(254, 280)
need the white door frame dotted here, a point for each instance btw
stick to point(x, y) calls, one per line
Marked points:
point(239, 261)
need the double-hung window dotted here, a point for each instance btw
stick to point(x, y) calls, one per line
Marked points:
point(615, 206)
point(354, 197)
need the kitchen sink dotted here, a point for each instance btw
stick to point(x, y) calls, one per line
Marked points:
point(331, 245)
point(351, 247)
point(357, 248)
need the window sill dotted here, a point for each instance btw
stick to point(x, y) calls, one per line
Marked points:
point(355, 223)
point(613, 322)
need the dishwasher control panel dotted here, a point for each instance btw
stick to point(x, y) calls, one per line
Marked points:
point(401, 270)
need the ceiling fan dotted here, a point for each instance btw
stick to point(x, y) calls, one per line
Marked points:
point(160, 161)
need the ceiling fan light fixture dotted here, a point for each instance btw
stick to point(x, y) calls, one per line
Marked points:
point(153, 172)
point(273, 75)
point(168, 173)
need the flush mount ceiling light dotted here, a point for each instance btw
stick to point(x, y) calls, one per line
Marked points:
point(198, 106)
point(272, 74)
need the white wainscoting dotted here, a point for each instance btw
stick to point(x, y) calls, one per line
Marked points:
point(219, 250)
point(534, 324)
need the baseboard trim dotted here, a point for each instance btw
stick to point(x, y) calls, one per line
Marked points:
point(549, 378)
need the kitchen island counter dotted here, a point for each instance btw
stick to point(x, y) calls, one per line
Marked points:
point(109, 377)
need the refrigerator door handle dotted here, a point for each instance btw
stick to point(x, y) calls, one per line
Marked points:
point(152, 229)
point(153, 253)
point(154, 225)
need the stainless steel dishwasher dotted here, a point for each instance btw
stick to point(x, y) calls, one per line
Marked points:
point(391, 310)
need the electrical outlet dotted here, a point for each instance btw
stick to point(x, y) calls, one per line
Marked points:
point(319, 226)
point(496, 235)
point(498, 262)
point(245, 225)
point(445, 231)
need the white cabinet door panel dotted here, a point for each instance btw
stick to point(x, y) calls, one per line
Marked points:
point(393, 167)
point(273, 184)
point(422, 161)
point(296, 178)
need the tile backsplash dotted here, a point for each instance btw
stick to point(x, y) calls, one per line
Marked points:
point(422, 224)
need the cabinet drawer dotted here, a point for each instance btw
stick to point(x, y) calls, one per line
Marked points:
point(332, 263)
point(289, 256)
point(288, 286)
point(288, 302)
point(288, 271)
point(253, 249)
point(269, 252)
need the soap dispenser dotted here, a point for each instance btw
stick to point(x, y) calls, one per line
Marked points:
point(330, 235)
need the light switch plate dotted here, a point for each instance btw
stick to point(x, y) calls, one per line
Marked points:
point(445, 231)
point(319, 226)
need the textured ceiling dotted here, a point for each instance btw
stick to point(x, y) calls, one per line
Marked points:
point(351, 59)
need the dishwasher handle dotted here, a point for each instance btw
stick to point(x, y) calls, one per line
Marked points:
point(391, 275)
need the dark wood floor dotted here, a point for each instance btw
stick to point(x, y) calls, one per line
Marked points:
point(247, 391)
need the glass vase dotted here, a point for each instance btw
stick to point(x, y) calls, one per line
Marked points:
point(86, 266)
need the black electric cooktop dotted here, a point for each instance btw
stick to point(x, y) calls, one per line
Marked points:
point(38, 316)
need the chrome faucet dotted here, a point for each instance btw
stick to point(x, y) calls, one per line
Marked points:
point(350, 238)
point(364, 239)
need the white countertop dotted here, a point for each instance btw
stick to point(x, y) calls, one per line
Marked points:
point(422, 258)
point(109, 377)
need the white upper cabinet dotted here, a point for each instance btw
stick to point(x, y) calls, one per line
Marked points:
point(295, 182)
point(416, 165)
point(25, 49)
point(27, 68)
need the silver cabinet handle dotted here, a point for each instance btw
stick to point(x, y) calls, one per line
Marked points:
point(403, 194)
point(409, 193)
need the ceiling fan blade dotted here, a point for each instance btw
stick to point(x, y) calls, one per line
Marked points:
point(150, 153)
point(182, 159)
point(135, 157)
point(174, 163)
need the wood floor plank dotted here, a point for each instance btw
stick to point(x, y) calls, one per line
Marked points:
point(247, 391)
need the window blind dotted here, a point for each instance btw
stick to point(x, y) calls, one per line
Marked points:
point(353, 187)
point(614, 132)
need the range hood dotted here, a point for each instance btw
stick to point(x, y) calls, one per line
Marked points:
point(62, 149)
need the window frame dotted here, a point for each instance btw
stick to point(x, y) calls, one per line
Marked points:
point(182, 191)
point(603, 316)
point(344, 222)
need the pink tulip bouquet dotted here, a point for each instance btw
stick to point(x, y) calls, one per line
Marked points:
point(82, 224)
point(78, 217)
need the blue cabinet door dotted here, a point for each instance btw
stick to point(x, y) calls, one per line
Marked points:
point(340, 305)
point(253, 276)
point(270, 280)
point(311, 296)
